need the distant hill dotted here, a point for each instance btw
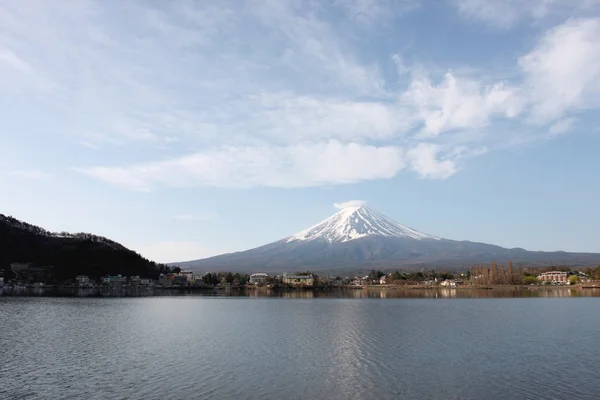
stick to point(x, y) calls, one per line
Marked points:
point(358, 238)
point(69, 254)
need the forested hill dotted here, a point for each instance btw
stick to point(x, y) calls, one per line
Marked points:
point(69, 254)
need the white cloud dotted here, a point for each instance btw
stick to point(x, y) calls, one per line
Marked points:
point(10, 59)
point(506, 13)
point(291, 102)
point(562, 73)
point(562, 126)
point(460, 103)
point(297, 166)
point(300, 165)
point(424, 160)
point(316, 47)
point(350, 203)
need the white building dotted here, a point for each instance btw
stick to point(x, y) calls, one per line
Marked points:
point(451, 283)
point(555, 276)
point(258, 278)
point(189, 276)
point(82, 280)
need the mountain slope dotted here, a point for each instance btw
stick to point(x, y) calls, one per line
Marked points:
point(69, 254)
point(357, 222)
point(360, 238)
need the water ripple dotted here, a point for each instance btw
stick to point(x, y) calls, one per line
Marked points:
point(265, 348)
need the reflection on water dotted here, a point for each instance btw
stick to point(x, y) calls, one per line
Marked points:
point(358, 293)
point(213, 347)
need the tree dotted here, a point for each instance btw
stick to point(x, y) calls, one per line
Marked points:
point(530, 280)
point(396, 276)
point(573, 280)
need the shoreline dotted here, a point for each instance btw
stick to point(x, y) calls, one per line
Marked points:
point(368, 291)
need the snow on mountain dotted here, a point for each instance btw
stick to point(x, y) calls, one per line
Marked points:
point(356, 222)
point(359, 238)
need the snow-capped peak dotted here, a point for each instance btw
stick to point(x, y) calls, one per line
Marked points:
point(355, 222)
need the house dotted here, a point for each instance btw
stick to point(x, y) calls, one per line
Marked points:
point(145, 281)
point(1, 281)
point(189, 276)
point(82, 280)
point(258, 278)
point(298, 280)
point(451, 283)
point(383, 280)
point(555, 276)
point(162, 279)
point(31, 272)
point(356, 281)
point(179, 280)
point(114, 280)
point(19, 268)
point(134, 280)
point(334, 281)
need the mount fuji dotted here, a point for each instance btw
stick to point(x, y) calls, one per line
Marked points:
point(359, 238)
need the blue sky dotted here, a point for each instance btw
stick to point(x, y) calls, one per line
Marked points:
point(186, 129)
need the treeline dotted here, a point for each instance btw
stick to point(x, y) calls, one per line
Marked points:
point(496, 274)
point(69, 256)
point(233, 279)
point(593, 272)
point(416, 276)
point(500, 274)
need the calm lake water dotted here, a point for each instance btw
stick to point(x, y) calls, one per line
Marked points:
point(212, 347)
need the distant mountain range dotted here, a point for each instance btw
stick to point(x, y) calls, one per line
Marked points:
point(359, 238)
point(69, 254)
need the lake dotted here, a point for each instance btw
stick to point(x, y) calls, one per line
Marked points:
point(328, 347)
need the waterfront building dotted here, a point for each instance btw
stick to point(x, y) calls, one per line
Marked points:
point(189, 276)
point(114, 280)
point(82, 280)
point(134, 280)
point(258, 278)
point(19, 268)
point(298, 280)
point(162, 279)
point(555, 276)
point(451, 283)
point(179, 280)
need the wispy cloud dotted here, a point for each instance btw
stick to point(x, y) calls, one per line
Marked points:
point(562, 126)
point(270, 166)
point(273, 93)
point(10, 59)
point(369, 12)
point(350, 203)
